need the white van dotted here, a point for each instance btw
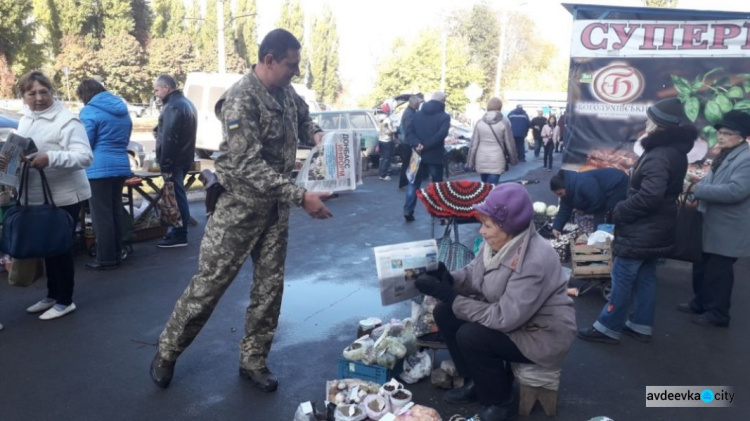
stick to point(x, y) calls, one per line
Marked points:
point(204, 90)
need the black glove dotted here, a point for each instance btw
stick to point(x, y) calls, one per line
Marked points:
point(432, 286)
point(442, 273)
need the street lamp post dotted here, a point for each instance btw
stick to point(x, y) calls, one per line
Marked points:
point(220, 24)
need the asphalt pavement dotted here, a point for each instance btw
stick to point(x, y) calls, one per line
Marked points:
point(93, 364)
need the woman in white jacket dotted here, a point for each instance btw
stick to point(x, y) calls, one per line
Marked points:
point(550, 137)
point(64, 153)
point(492, 146)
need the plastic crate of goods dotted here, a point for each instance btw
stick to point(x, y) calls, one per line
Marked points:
point(348, 369)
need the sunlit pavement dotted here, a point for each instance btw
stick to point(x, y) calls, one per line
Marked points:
point(93, 364)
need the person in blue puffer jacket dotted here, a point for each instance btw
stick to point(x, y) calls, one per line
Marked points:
point(108, 126)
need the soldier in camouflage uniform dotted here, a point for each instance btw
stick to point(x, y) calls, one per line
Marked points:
point(262, 117)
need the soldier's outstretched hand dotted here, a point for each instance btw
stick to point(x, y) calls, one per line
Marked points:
point(313, 205)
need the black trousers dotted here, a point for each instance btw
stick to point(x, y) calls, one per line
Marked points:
point(549, 149)
point(481, 354)
point(713, 280)
point(61, 270)
point(404, 152)
point(520, 148)
point(106, 216)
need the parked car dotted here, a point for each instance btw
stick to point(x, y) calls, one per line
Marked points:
point(9, 123)
point(135, 110)
point(360, 121)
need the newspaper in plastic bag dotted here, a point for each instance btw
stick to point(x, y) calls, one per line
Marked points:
point(399, 265)
point(333, 165)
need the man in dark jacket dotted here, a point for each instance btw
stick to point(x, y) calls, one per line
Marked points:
point(519, 124)
point(175, 149)
point(537, 124)
point(594, 192)
point(404, 149)
point(427, 135)
point(645, 224)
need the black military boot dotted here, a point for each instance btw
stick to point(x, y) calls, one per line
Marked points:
point(161, 371)
point(263, 378)
point(462, 395)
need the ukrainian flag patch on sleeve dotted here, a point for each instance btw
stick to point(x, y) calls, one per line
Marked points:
point(233, 125)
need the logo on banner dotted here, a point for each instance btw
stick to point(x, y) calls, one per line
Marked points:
point(618, 84)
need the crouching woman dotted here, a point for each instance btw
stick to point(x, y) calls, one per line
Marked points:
point(508, 305)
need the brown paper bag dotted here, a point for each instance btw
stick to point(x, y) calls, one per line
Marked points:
point(24, 272)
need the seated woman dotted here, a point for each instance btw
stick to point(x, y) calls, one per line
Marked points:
point(508, 305)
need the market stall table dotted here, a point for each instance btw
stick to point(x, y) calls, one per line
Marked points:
point(153, 198)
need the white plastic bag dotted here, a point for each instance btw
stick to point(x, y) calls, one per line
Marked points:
point(416, 367)
point(599, 237)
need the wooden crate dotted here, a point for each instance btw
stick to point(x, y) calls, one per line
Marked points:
point(149, 233)
point(591, 261)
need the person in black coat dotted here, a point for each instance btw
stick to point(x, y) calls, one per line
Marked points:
point(404, 149)
point(427, 135)
point(594, 192)
point(645, 225)
point(175, 148)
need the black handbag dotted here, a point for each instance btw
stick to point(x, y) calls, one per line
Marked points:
point(40, 231)
point(688, 242)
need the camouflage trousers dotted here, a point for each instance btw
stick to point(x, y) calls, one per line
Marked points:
point(233, 232)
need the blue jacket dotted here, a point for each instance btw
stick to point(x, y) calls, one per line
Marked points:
point(519, 122)
point(430, 128)
point(592, 192)
point(108, 126)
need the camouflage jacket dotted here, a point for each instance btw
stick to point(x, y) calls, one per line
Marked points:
point(259, 144)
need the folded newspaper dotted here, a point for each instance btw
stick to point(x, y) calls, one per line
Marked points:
point(399, 265)
point(334, 165)
point(13, 149)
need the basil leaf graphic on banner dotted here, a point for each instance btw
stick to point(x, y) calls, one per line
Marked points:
point(692, 108)
point(736, 92)
point(742, 106)
point(709, 134)
point(713, 112)
point(724, 103)
point(682, 85)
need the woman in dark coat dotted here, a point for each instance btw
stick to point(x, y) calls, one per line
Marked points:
point(645, 225)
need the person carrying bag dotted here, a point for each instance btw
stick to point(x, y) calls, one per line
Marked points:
point(34, 231)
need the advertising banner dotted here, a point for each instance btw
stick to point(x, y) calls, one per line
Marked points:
point(619, 68)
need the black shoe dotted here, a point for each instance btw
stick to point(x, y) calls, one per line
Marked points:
point(688, 308)
point(98, 266)
point(263, 378)
point(638, 336)
point(161, 371)
point(409, 217)
point(170, 242)
point(462, 395)
point(593, 335)
point(494, 413)
point(707, 320)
